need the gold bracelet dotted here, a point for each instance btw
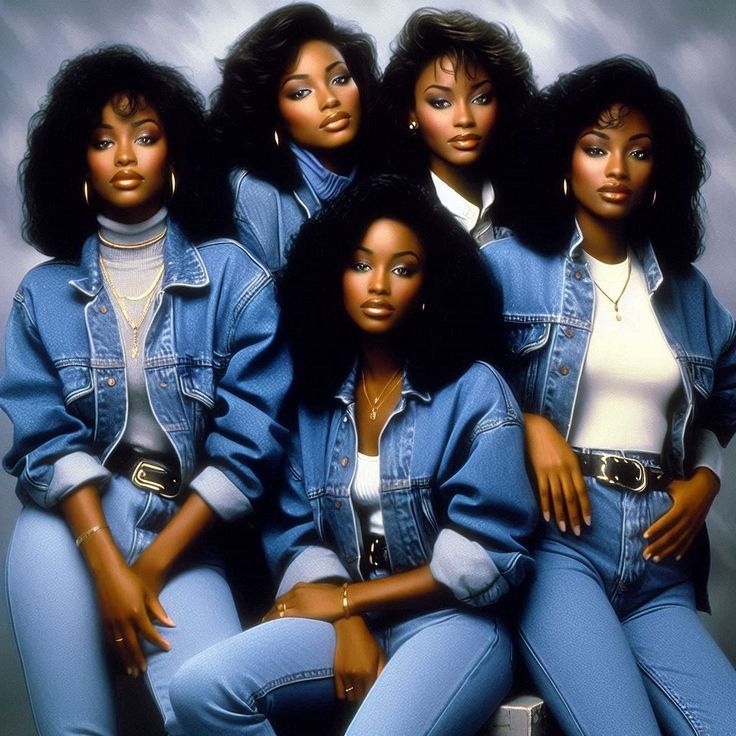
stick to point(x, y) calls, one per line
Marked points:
point(84, 535)
point(345, 605)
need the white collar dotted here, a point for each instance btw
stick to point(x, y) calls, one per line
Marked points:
point(467, 214)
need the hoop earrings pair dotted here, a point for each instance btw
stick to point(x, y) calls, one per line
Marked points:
point(85, 187)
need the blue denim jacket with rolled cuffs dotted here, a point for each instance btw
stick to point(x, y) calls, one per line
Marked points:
point(548, 303)
point(217, 374)
point(454, 490)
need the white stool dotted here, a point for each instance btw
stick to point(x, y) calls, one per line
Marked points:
point(522, 715)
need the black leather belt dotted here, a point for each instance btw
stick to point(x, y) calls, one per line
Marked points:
point(376, 552)
point(624, 473)
point(153, 473)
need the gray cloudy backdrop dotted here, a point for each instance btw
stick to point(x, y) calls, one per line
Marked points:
point(688, 42)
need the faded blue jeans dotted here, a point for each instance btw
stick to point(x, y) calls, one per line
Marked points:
point(613, 641)
point(55, 619)
point(447, 671)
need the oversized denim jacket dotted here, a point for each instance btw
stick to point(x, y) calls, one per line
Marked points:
point(217, 374)
point(267, 219)
point(454, 491)
point(547, 303)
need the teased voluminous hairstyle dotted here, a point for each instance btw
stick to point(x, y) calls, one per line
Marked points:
point(427, 36)
point(245, 106)
point(56, 217)
point(674, 224)
point(456, 325)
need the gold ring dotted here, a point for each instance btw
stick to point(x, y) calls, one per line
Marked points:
point(349, 689)
point(117, 641)
point(281, 614)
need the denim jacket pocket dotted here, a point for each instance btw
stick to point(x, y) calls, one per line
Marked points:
point(78, 391)
point(524, 345)
point(197, 383)
point(702, 375)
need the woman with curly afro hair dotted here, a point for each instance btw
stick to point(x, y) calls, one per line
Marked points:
point(144, 378)
point(406, 508)
point(291, 121)
point(452, 99)
point(625, 365)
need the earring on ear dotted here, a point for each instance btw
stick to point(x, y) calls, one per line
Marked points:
point(654, 197)
point(413, 126)
point(564, 186)
point(85, 192)
point(173, 182)
point(276, 138)
point(423, 307)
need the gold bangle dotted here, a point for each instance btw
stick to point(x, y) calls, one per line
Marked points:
point(345, 605)
point(84, 535)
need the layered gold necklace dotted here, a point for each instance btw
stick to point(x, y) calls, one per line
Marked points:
point(375, 404)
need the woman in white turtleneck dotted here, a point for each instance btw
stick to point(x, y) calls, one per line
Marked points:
point(290, 121)
point(135, 359)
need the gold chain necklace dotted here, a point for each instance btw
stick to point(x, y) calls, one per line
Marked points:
point(385, 392)
point(616, 301)
point(120, 299)
point(132, 246)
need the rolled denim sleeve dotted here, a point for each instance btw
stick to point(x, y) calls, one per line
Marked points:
point(51, 454)
point(482, 550)
point(720, 414)
point(244, 449)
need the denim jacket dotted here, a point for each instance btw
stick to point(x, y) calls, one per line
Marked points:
point(216, 372)
point(547, 303)
point(454, 491)
point(267, 219)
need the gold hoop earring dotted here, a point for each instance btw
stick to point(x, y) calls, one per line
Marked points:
point(564, 186)
point(276, 138)
point(423, 307)
point(654, 198)
point(85, 192)
point(173, 183)
point(413, 126)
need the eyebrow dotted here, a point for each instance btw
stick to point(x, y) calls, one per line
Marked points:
point(449, 89)
point(328, 68)
point(136, 124)
point(400, 254)
point(598, 134)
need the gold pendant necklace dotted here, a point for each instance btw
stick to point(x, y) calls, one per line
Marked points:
point(376, 403)
point(616, 301)
point(120, 299)
point(132, 246)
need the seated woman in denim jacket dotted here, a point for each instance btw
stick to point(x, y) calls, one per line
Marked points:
point(410, 455)
point(626, 366)
point(144, 378)
point(452, 97)
point(290, 121)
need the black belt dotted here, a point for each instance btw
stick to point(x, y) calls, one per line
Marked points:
point(625, 473)
point(149, 472)
point(376, 553)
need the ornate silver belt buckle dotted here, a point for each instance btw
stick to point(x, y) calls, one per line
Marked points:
point(623, 471)
point(141, 477)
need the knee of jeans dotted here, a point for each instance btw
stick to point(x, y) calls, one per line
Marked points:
point(201, 696)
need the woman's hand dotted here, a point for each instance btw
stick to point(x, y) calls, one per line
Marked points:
point(127, 608)
point(321, 601)
point(150, 572)
point(560, 482)
point(358, 659)
point(676, 529)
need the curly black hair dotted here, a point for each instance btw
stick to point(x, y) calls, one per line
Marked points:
point(456, 326)
point(674, 223)
point(431, 34)
point(245, 106)
point(56, 217)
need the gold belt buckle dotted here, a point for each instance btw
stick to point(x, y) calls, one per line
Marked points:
point(141, 478)
point(639, 482)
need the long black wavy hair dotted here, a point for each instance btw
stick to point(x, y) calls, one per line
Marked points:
point(456, 326)
point(674, 223)
point(430, 34)
point(245, 106)
point(56, 217)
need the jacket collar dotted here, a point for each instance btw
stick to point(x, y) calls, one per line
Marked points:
point(346, 392)
point(307, 197)
point(644, 252)
point(183, 265)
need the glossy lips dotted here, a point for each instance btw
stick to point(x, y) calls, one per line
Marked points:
point(465, 141)
point(377, 308)
point(614, 192)
point(126, 179)
point(336, 122)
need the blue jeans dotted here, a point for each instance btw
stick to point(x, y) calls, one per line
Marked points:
point(613, 641)
point(55, 619)
point(447, 671)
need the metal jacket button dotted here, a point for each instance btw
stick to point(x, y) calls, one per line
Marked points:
point(111, 381)
point(338, 504)
point(344, 462)
point(564, 370)
point(578, 275)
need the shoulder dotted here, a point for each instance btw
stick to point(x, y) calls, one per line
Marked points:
point(226, 260)
point(49, 275)
point(246, 185)
point(512, 252)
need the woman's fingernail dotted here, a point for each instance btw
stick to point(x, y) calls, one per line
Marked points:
point(657, 558)
point(646, 554)
point(546, 515)
point(562, 525)
point(587, 520)
point(576, 529)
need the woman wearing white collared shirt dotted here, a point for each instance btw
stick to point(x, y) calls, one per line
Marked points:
point(452, 95)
